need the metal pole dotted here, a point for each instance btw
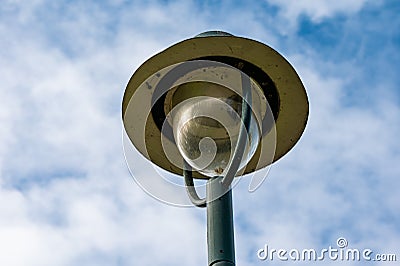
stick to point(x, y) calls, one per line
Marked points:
point(220, 233)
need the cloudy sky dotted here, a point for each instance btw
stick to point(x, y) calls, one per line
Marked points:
point(66, 194)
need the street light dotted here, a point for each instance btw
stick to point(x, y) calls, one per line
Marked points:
point(214, 107)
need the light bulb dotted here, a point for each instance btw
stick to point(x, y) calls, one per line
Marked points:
point(206, 128)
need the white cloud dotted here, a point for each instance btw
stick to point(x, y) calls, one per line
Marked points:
point(70, 219)
point(317, 10)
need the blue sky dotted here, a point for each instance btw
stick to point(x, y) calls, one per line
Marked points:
point(66, 195)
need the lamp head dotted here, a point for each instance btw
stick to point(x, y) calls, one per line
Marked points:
point(186, 102)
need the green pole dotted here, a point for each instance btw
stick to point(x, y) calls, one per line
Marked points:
point(220, 233)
